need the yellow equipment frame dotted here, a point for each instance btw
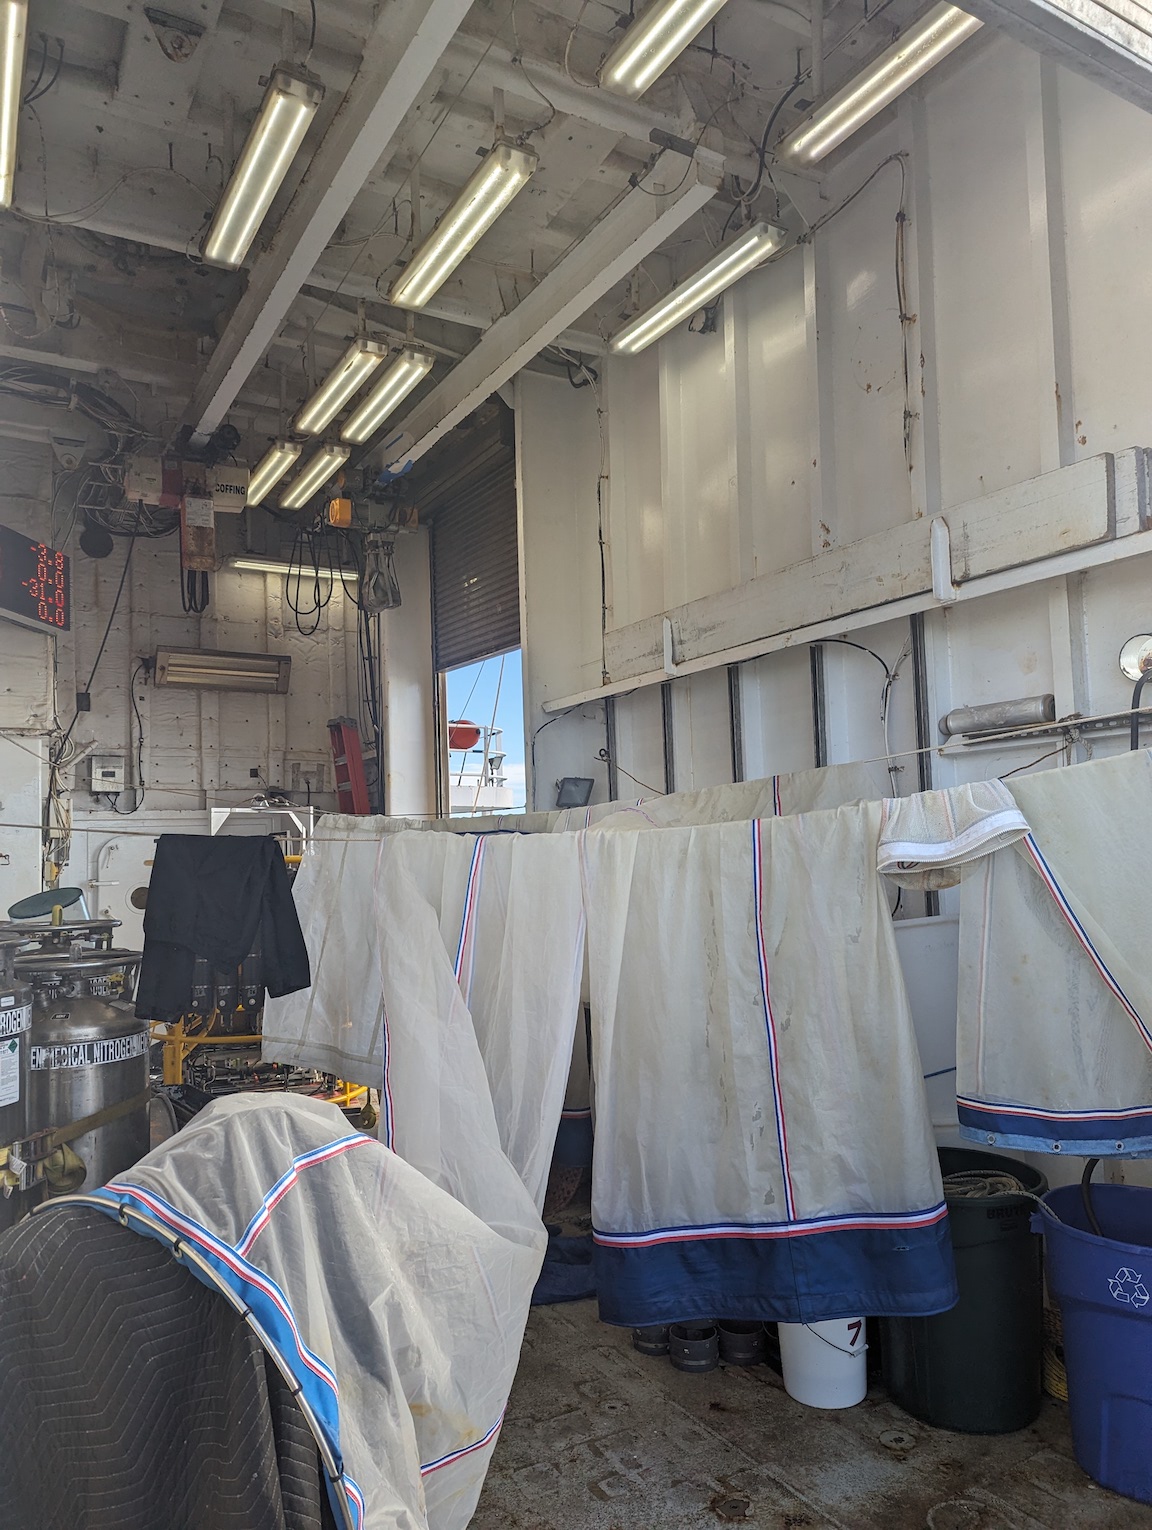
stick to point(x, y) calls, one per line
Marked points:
point(179, 1043)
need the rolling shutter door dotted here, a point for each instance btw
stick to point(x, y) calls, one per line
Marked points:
point(475, 559)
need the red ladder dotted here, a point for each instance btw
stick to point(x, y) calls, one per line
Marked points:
point(348, 765)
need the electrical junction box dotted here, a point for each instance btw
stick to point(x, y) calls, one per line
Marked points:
point(143, 480)
point(106, 774)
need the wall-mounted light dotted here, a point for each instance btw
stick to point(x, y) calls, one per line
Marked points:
point(701, 288)
point(211, 669)
point(13, 47)
point(914, 52)
point(1136, 656)
point(659, 35)
point(314, 475)
point(250, 563)
point(1136, 664)
point(270, 470)
point(505, 170)
point(409, 368)
point(288, 107)
point(574, 791)
point(349, 374)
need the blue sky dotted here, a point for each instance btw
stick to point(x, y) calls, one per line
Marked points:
point(481, 681)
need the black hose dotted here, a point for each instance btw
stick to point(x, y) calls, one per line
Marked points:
point(1134, 734)
point(1086, 1194)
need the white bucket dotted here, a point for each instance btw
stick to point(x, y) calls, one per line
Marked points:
point(825, 1364)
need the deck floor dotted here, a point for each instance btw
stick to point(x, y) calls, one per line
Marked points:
point(599, 1438)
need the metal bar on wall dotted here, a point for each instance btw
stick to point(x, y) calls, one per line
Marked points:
point(923, 726)
point(610, 748)
point(819, 707)
point(736, 722)
point(666, 726)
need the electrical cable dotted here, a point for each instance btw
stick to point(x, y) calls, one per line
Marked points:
point(317, 551)
point(750, 196)
point(142, 665)
point(898, 158)
point(588, 85)
point(1086, 1196)
point(848, 643)
point(99, 202)
point(312, 32)
point(547, 723)
point(195, 592)
point(608, 760)
point(1072, 724)
point(35, 85)
point(104, 639)
point(885, 697)
point(100, 492)
point(38, 95)
point(1039, 761)
point(370, 681)
point(519, 60)
point(635, 181)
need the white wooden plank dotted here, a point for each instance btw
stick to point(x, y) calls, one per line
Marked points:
point(1057, 513)
point(1072, 507)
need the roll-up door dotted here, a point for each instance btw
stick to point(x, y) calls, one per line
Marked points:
point(470, 505)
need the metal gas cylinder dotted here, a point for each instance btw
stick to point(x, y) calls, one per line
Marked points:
point(15, 1022)
point(81, 973)
point(86, 1056)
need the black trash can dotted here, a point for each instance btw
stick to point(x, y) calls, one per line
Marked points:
point(976, 1368)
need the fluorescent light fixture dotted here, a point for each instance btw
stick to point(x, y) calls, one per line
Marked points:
point(659, 34)
point(409, 368)
point(270, 470)
point(210, 669)
point(504, 171)
point(316, 472)
point(288, 107)
point(700, 289)
point(13, 46)
point(252, 564)
point(358, 363)
point(914, 52)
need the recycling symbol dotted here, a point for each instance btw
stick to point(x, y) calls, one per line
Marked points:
point(1128, 1286)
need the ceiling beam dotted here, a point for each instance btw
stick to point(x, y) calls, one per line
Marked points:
point(399, 57)
point(637, 225)
point(1111, 44)
point(83, 353)
point(495, 65)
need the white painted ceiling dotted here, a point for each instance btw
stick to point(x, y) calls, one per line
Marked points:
point(123, 159)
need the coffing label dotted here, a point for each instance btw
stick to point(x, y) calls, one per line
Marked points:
point(13, 1021)
point(89, 1054)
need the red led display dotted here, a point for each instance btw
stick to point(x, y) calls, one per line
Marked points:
point(34, 582)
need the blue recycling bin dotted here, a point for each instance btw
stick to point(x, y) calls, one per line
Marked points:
point(1103, 1286)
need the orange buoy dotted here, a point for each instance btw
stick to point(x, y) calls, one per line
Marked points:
point(463, 735)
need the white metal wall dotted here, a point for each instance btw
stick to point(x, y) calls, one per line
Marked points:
point(199, 749)
point(1028, 300)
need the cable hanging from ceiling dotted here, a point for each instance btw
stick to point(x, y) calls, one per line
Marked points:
point(100, 490)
